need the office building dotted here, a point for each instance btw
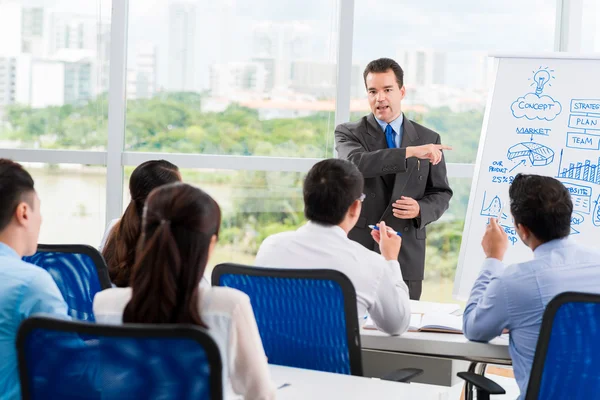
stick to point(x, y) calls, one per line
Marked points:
point(182, 35)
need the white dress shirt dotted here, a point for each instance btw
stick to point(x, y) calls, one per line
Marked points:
point(228, 315)
point(380, 290)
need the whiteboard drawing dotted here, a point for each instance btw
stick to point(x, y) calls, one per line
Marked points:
point(581, 196)
point(538, 154)
point(540, 79)
point(576, 220)
point(533, 132)
point(583, 141)
point(596, 215)
point(537, 105)
point(587, 170)
point(511, 232)
point(493, 208)
point(585, 115)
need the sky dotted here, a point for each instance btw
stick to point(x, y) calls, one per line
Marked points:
point(462, 28)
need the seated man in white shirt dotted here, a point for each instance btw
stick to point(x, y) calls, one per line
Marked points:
point(332, 204)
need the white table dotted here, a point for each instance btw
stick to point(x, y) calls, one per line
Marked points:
point(442, 345)
point(316, 385)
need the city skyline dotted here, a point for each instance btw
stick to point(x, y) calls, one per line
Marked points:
point(279, 57)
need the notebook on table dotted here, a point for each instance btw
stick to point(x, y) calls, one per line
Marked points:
point(430, 317)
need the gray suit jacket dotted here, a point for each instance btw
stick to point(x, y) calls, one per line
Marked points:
point(389, 175)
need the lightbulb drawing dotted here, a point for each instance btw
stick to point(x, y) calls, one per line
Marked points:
point(541, 78)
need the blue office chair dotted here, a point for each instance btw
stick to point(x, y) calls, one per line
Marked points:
point(567, 355)
point(131, 361)
point(306, 318)
point(79, 272)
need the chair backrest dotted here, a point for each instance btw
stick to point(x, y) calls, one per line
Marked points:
point(567, 356)
point(131, 361)
point(79, 272)
point(306, 318)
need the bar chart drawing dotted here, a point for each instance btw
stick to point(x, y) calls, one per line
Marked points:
point(587, 171)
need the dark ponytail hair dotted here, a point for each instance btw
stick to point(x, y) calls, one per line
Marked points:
point(120, 248)
point(177, 229)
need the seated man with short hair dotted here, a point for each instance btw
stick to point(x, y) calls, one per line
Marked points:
point(332, 204)
point(514, 297)
point(25, 289)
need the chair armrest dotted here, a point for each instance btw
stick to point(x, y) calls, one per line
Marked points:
point(402, 375)
point(482, 383)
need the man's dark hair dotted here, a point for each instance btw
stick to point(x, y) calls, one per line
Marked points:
point(330, 188)
point(383, 65)
point(16, 186)
point(542, 204)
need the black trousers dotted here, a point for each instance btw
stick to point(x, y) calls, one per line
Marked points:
point(414, 289)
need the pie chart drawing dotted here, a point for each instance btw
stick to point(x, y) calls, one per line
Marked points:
point(538, 154)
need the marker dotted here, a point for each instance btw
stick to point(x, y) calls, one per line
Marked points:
point(390, 230)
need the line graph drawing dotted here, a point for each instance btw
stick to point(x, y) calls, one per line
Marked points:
point(493, 209)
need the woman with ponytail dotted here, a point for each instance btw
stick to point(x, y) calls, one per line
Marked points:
point(120, 240)
point(180, 227)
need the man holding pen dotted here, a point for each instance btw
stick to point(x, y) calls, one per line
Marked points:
point(403, 167)
point(333, 196)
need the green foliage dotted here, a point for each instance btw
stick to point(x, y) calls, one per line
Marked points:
point(443, 246)
point(262, 203)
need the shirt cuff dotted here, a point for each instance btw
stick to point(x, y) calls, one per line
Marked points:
point(494, 266)
point(396, 271)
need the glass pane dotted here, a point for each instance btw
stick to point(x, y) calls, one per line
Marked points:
point(73, 199)
point(590, 27)
point(447, 71)
point(254, 205)
point(256, 78)
point(54, 68)
point(447, 75)
point(443, 245)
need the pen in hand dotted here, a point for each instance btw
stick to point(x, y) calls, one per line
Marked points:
point(390, 230)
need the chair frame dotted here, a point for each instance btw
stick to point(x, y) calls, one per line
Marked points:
point(541, 350)
point(146, 331)
point(91, 252)
point(348, 291)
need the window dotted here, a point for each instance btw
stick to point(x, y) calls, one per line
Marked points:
point(241, 79)
point(443, 48)
point(54, 85)
point(73, 200)
point(443, 245)
point(590, 27)
point(254, 205)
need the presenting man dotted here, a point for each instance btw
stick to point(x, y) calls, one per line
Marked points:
point(403, 166)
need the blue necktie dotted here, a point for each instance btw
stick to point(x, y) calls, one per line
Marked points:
point(390, 136)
